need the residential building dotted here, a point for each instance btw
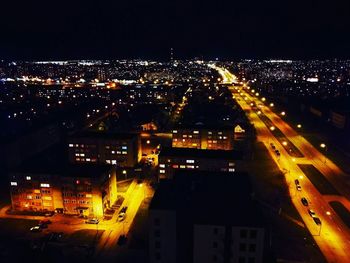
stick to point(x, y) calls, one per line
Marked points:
point(172, 159)
point(205, 217)
point(120, 149)
point(203, 137)
point(71, 189)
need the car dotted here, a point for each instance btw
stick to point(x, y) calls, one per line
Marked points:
point(298, 187)
point(272, 145)
point(121, 217)
point(311, 212)
point(92, 221)
point(35, 229)
point(55, 236)
point(317, 220)
point(304, 201)
point(123, 210)
point(296, 181)
point(45, 221)
point(42, 226)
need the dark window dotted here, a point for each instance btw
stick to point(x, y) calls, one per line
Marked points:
point(215, 244)
point(216, 231)
point(157, 256)
point(215, 258)
point(157, 233)
point(251, 260)
point(243, 233)
point(241, 260)
point(242, 247)
point(157, 244)
point(253, 233)
point(252, 248)
point(157, 221)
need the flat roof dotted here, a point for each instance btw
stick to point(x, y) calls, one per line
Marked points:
point(54, 161)
point(104, 135)
point(209, 198)
point(199, 153)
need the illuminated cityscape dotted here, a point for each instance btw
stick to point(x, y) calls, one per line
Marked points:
point(174, 132)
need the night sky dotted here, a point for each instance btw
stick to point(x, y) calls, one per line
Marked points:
point(226, 29)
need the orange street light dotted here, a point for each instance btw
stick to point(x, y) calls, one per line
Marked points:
point(284, 143)
point(272, 128)
point(271, 104)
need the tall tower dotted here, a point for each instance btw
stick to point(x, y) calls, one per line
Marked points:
point(171, 54)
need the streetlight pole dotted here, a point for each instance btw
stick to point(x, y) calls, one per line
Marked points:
point(324, 146)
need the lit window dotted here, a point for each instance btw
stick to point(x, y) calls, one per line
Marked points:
point(37, 191)
point(47, 198)
point(182, 166)
point(108, 161)
point(189, 161)
point(28, 178)
point(77, 154)
point(183, 140)
point(44, 185)
point(231, 169)
point(14, 183)
point(175, 140)
point(209, 132)
point(124, 147)
point(123, 152)
point(71, 145)
point(88, 195)
point(82, 154)
point(175, 166)
point(190, 166)
point(194, 144)
point(174, 131)
point(88, 159)
point(29, 197)
point(114, 161)
point(195, 132)
point(119, 152)
point(113, 152)
point(162, 171)
point(184, 136)
point(162, 165)
point(231, 164)
point(225, 137)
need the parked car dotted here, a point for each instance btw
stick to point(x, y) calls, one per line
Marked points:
point(311, 212)
point(123, 210)
point(317, 220)
point(45, 221)
point(92, 221)
point(121, 217)
point(35, 229)
point(304, 201)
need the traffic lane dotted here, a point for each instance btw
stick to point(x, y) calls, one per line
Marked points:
point(328, 230)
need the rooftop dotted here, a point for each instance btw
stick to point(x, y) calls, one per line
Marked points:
point(199, 153)
point(105, 135)
point(209, 198)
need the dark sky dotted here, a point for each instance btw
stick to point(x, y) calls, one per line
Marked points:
point(229, 29)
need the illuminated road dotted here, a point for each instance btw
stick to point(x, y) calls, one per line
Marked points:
point(333, 237)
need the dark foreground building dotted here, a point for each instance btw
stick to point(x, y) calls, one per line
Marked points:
point(205, 217)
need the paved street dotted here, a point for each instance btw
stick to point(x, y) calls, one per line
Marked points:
point(332, 236)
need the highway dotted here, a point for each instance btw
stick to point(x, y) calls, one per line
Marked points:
point(332, 236)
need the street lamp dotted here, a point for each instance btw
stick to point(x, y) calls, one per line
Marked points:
point(299, 126)
point(324, 146)
point(283, 113)
point(271, 104)
point(272, 128)
point(284, 143)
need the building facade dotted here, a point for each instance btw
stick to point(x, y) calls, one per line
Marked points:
point(182, 230)
point(122, 150)
point(172, 159)
point(85, 190)
point(211, 138)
